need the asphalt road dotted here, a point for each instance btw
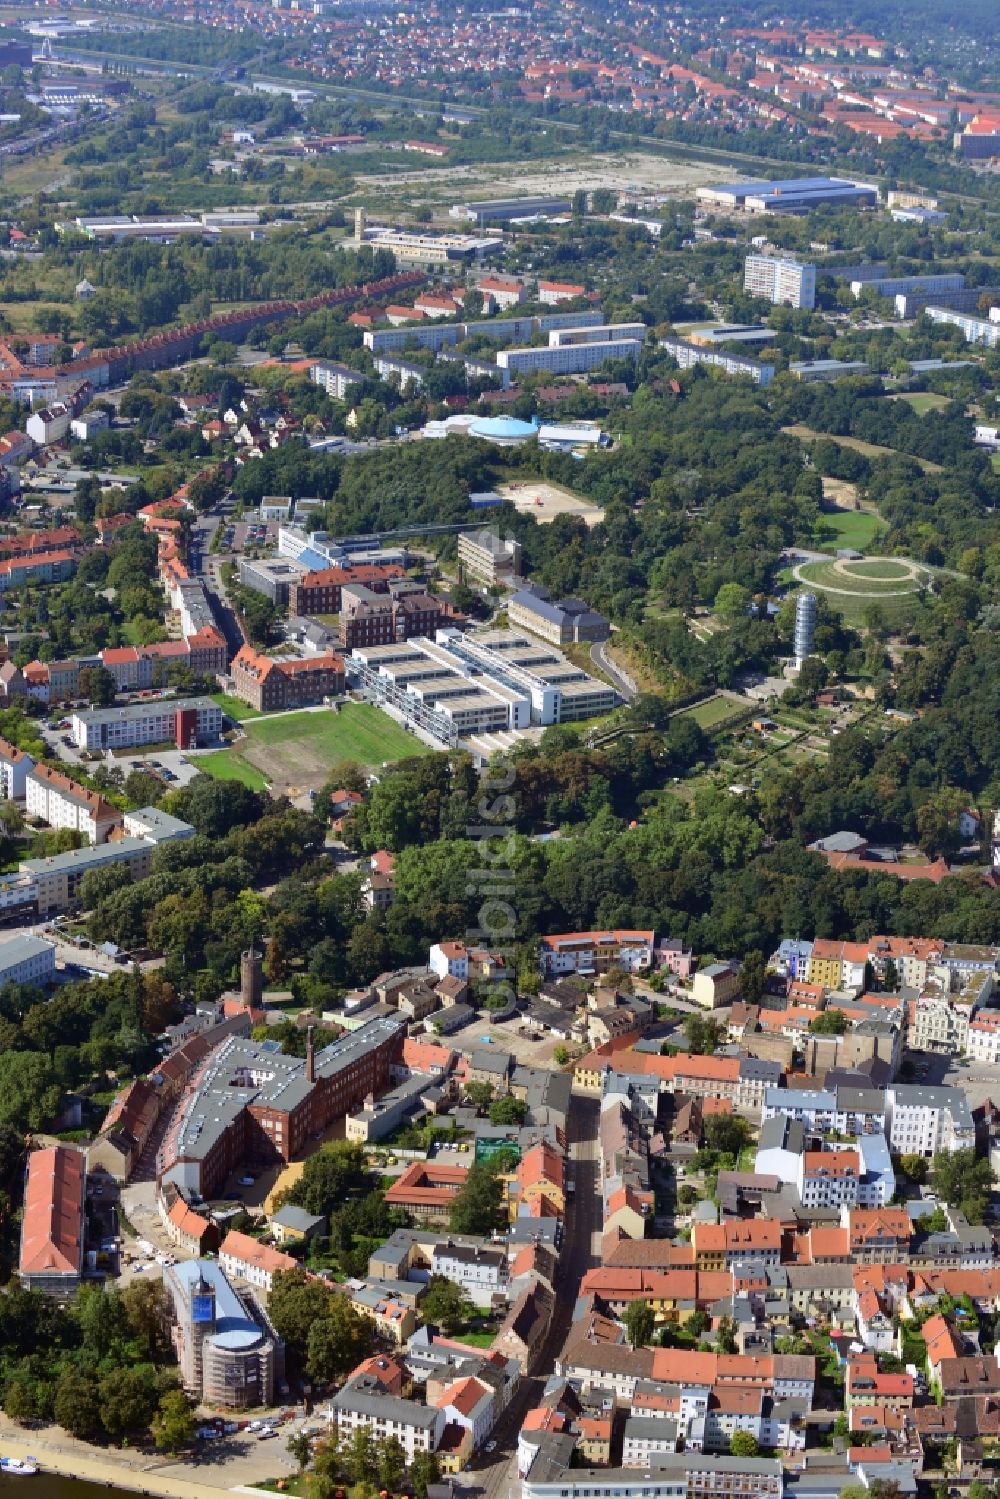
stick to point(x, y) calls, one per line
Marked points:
point(601, 659)
point(495, 1476)
point(208, 568)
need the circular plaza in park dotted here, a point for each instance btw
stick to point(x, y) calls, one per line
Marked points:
point(868, 578)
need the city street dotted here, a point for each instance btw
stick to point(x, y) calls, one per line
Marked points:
point(495, 1477)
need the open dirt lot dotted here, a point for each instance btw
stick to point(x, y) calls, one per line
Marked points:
point(546, 501)
point(635, 171)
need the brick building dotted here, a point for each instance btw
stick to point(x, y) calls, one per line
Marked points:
point(265, 682)
point(319, 592)
point(368, 618)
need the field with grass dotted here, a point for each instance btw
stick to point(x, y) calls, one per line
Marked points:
point(229, 765)
point(848, 528)
point(995, 460)
point(234, 707)
point(294, 752)
point(923, 401)
point(852, 587)
point(713, 711)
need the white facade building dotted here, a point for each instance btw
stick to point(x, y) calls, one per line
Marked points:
point(782, 281)
point(924, 1121)
point(27, 960)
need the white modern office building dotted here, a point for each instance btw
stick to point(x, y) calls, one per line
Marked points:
point(457, 686)
point(788, 283)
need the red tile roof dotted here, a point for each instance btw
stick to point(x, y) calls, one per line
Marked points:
point(52, 1228)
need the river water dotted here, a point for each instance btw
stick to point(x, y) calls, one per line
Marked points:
point(48, 1486)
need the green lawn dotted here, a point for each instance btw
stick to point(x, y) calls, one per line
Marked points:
point(866, 579)
point(848, 528)
point(291, 752)
point(924, 401)
point(995, 460)
point(228, 765)
point(358, 732)
point(233, 707)
point(714, 710)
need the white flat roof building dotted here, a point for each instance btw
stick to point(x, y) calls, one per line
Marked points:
point(600, 333)
point(575, 359)
point(456, 685)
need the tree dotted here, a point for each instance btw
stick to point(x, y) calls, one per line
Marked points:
point(424, 1470)
point(744, 1444)
point(508, 1110)
point(128, 1400)
point(445, 1304)
point(98, 685)
point(753, 976)
point(727, 1133)
point(76, 1406)
point(338, 1342)
point(732, 601)
point(359, 1458)
point(390, 1462)
point(916, 1168)
point(478, 1205)
point(300, 1448)
point(725, 1335)
point(890, 977)
point(639, 1322)
point(698, 1322)
point(174, 1424)
point(296, 1303)
point(19, 1401)
point(702, 1034)
point(963, 1180)
point(336, 1171)
point(480, 1095)
point(828, 1023)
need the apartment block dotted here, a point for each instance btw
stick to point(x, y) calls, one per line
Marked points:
point(563, 622)
point(596, 952)
point(363, 1405)
point(572, 359)
point(976, 329)
point(688, 355)
point(186, 722)
point(55, 799)
point(243, 1257)
point(52, 1225)
point(25, 959)
point(44, 567)
point(335, 379)
point(783, 282)
point(15, 765)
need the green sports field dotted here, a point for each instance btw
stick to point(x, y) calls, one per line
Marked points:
point(294, 752)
